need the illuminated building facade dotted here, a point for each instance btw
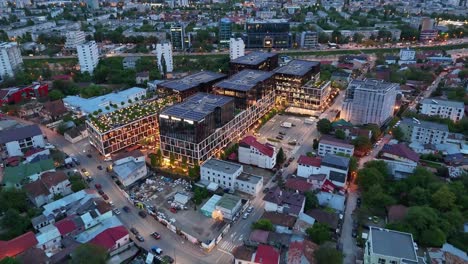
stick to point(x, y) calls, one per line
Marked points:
point(263, 61)
point(271, 33)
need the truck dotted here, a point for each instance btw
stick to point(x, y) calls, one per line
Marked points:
point(309, 121)
point(286, 125)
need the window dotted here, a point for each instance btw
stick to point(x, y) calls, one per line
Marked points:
point(381, 261)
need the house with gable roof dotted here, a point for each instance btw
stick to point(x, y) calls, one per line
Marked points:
point(255, 153)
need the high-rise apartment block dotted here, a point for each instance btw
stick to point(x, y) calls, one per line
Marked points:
point(443, 108)
point(88, 56)
point(10, 59)
point(164, 57)
point(74, 38)
point(423, 132)
point(236, 48)
point(225, 31)
point(369, 102)
point(307, 40)
point(178, 36)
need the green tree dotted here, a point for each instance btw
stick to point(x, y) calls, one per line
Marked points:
point(340, 134)
point(369, 177)
point(89, 253)
point(280, 157)
point(398, 133)
point(171, 158)
point(152, 157)
point(263, 224)
point(14, 223)
point(433, 237)
point(9, 260)
point(362, 143)
point(324, 126)
point(77, 183)
point(328, 255)
point(12, 198)
point(159, 157)
point(184, 162)
point(376, 198)
point(418, 197)
point(353, 164)
point(311, 201)
point(420, 219)
point(319, 233)
point(357, 38)
point(443, 199)
point(56, 95)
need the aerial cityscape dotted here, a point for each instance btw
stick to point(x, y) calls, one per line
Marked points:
point(234, 132)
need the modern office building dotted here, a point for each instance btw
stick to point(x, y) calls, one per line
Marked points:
point(443, 108)
point(88, 56)
point(246, 87)
point(424, 132)
point(332, 145)
point(74, 38)
point(236, 48)
point(307, 40)
point(298, 84)
point(164, 57)
point(189, 85)
point(369, 102)
point(225, 31)
point(10, 59)
point(202, 125)
point(263, 61)
point(271, 33)
point(178, 36)
point(389, 246)
point(125, 127)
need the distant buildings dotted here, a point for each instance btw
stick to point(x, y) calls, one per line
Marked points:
point(130, 62)
point(331, 145)
point(178, 37)
point(369, 102)
point(236, 48)
point(307, 40)
point(74, 38)
point(424, 132)
point(225, 31)
point(10, 59)
point(443, 108)
point(88, 56)
point(93, 4)
point(407, 56)
point(164, 57)
point(377, 248)
point(255, 153)
point(230, 175)
point(271, 33)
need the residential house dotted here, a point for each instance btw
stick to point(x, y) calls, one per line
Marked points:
point(259, 236)
point(400, 159)
point(325, 217)
point(53, 110)
point(130, 169)
point(286, 202)
point(14, 95)
point(396, 213)
point(30, 109)
point(301, 252)
point(76, 134)
point(267, 255)
point(282, 223)
point(331, 145)
point(40, 221)
point(424, 132)
point(336, 168)
point(299, 184)
point(448, 254)
point(307, 166)
point(142, 77)
point(243, 255)
point(16, 141)
point(23, 173)
point(130, 62)
point(49, 238)
point(228, 206)
point(47, 186)
point(389, 246)
point(255, 153)
point(69, 226)
point(17, 245)
point(69, 204)
point(112, 238)
point(333, 200)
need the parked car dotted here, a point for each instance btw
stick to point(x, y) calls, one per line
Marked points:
point(282, 133)
point(105, 197)
point(265, 190)
point(134, 231)
point(142, 214)
point(291, 159)
point(98, 186)
point(156, 250)
point(250, 209)
point(99, 167)
point(101, 192)
point(116, 211)
point(156, 235)
point(89, 155)
point(245, 216)
point(279, 137)
point(126, 209)
point(140, 238)
point(354, 234)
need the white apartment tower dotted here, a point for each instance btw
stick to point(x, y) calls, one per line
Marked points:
point(10, 59)
point(369, 101)
point(236, 48)
point(164, 51)
point(74, 38)
point(182, 2)
point(88, 56)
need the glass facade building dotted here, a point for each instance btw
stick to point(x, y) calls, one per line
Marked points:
point(225, 31)
point(272, 33)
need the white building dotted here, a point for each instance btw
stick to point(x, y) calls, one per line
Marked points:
point(182, 2)
point(74, 38)
point(369, 102)
point(307, 166)
point(231, 176)
point(17, 140)
point(255, 153)
point(335, 168)
point(88, 56)
point(228, 205)
point(407, 56)
point(164, 51)
point(377, 249)
point(424, 132)
point(236, 48)
point(10, 59)
point(130, 169)
point(330, 145)
point(49, 184)
point(49, 239)
point(443, 108)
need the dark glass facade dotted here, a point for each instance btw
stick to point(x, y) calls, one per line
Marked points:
point(268, 35)
point(225, 31)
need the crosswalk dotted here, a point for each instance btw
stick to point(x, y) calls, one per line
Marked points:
point(228, 245)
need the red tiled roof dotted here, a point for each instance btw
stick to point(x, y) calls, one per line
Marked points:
point(36, 188)
point(32, 151)
point(328, 186)
point(298, 184)
point(267, 255)
point(55, 108)
point(65, 226)
point(109, 237)
point(51, 179)
point(259, 236)
point(401, 150)
point(298, 249)
point(311, 161)
point(265, 149)
point(17, 245)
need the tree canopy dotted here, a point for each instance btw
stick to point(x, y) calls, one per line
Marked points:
point(324, 126)
point(89, 253)
point(319, 233)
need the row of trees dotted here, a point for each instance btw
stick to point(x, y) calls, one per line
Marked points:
point(436, 209)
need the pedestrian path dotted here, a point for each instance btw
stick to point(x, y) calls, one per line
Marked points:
point(229, 246)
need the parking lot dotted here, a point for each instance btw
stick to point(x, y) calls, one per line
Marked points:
point(290, 138)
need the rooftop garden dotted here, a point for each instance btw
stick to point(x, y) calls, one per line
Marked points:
point(125, 115)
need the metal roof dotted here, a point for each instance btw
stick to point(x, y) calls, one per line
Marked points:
point(193, 80)
point(297, 67)
point(19, 133)
point(221, 165)
point(424, 124)
point(244, 80)
point(392, 243)
point(437, 101)
point(197, 107)
point(254, 58)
